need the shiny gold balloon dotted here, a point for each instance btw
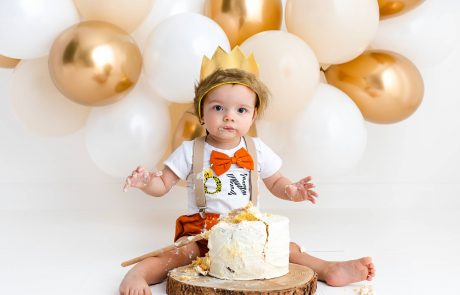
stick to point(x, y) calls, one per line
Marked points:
point(386, 86)
point(241, 19)
point(94, 63)
point(188, 128)
point(391, 8)
point(8, 62)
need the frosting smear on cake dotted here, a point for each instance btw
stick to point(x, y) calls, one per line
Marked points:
point(247, 244)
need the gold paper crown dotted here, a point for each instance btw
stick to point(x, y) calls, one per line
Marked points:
point(233, 60)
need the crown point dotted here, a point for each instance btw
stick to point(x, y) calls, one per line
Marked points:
point(223, 60)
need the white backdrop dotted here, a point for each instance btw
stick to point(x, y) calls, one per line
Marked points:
point(414, 163)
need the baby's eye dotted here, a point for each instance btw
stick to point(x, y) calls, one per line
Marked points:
point(242, 110)
point(218, 108)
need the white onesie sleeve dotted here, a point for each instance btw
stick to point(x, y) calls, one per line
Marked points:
point(180, 161)
point(269, 162)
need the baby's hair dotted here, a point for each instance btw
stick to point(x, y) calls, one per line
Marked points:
point(231, 76)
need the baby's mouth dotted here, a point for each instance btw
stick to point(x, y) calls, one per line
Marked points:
point(227, 129)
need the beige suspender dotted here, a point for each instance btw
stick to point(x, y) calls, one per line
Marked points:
point(197, 169)
point(197, 173)
point(253, 174)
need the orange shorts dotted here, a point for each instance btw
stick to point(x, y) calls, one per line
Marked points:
point(190, 225)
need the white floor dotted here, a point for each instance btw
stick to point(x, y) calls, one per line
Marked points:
point(79, 252)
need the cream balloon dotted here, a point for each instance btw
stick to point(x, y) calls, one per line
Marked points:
point(28, 28)
point(39, 106)
point(337, 31)
point(288, 67)
point(174, 51)
point(425, 35)
point(327, 139)
point(125, 14)
point(161, 10)
point(132, 132)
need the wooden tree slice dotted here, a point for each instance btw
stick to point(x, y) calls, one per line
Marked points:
point(185, 280)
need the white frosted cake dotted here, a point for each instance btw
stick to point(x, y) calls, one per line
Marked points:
point(247, 245)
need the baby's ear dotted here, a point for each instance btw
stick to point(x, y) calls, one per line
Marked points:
point(254, 116)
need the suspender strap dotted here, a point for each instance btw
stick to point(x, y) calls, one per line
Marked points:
point(253, 174)
point(197, 168)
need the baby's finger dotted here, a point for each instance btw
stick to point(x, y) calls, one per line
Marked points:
point(126, 186)
point(313, 193)
point(146, 177)
point(305, 179)
point(140, 169)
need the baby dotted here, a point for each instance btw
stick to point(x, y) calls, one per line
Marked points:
point(228, 99)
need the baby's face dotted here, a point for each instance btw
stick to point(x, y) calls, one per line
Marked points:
point(229, 111)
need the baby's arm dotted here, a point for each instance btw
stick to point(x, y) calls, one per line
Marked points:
point(153, 183)
point(283, 188)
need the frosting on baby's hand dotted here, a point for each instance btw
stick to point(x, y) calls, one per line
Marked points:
point(140, 178)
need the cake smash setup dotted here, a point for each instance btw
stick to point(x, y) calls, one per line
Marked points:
point(248, 254)
point(248, 250)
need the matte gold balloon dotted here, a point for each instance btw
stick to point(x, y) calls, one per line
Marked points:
point(386, 86)
point(391, 8)
point(241, 19)
point(8, 62)
point(94, 63)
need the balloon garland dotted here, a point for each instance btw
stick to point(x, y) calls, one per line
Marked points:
point(93, 61)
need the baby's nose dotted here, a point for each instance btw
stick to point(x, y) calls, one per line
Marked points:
point(228, 117)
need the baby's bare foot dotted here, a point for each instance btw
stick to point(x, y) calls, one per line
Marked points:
point(133, 284)
point(340, 274)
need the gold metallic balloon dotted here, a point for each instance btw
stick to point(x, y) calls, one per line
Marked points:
point(189, 127)
point(94, 63)
point(391, 8)
point(241, 19)
point(8, 62)
point(386, 86)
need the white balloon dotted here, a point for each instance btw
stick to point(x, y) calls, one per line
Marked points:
point(161, 10)
point(425, 35)
point(273, 134)
point(39, 105)
point(329, 138)
point(129, 133)
point(337, 31)
point(288, 67)
point(174, 51)
point(29, 27)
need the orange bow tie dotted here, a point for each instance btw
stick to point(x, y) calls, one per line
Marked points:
point(220, 162)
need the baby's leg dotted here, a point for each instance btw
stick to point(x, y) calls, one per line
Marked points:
point(335, 273)
point(154, 269)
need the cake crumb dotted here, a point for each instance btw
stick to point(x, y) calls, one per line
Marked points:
point(202, 264)
point(242, 214)
point(365, 290)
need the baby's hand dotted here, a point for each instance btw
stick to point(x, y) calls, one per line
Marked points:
point(140, 178)
point(301, 191)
